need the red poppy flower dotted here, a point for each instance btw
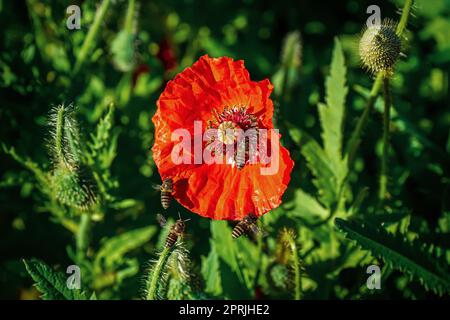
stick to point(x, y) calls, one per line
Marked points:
point(217, 93)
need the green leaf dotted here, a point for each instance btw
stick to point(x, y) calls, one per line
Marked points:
point(104, 143)
point(306, 206)
point(52, 284)
point(114, 248)
point(29, 164)
point(409, 257)
point(318, 162)
point(235, 276)
point(211, 273)
point(332, 112)
point(226, 248)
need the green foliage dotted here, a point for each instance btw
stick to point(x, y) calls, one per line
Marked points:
point(227, 271)
point(327, 164)
point(91, 36)
point(332, 113)
point(307, 206)
point(113, 249)
point(211, 273)
point(122, 49)
point(287, 76)
point(317, 161)
point(50, 283)
point(411, 257)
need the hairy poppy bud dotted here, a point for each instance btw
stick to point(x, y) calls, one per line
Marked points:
point(380, 47)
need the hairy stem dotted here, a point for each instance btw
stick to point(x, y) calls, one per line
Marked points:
point(59, 134)
point(91, 36)
point(292, 246)
point(404, 18)
point(297, 270)
point(386, 125)
point(69, 225)
point(155, 277)
point(83, 235)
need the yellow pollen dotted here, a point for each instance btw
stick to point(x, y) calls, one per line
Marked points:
point(227, 133)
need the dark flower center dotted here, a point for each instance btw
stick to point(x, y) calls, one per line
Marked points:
point(230, 124)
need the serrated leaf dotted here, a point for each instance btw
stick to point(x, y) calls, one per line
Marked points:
point(409, 257)
point(113, 249)
point(332, 112)
point(318, 162)
point(103, 143)
point(52, 284)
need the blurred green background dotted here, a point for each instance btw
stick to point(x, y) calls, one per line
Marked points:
point(133, 54)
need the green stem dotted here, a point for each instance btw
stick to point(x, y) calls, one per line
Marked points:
point(297, 274)
point(404, 18)
point(83, 235)
point(355, 138)
point(129, 17)
point(58, 134)
point(386, 125)
point(156, 274)
point(70, 225)
point(91, 36)
point(292, 245)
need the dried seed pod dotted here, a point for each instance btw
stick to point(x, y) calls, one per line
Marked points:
point(379, 47)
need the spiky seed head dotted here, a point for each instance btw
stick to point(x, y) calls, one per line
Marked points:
point(286, 236)
point(379, 48)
